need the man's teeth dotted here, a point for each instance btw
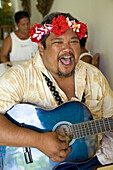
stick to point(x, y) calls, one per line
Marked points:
point(67, 57)
point(66, 60)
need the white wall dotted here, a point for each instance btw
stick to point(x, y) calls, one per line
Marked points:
point(36, 16)
point(98, 14)
point(16, 5)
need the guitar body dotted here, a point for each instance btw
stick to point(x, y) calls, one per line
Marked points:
point(73, 112)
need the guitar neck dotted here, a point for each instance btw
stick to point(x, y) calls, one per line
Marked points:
point(92, 127)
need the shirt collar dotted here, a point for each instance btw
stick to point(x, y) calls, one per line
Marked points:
point(80, 79)
point(80, 74)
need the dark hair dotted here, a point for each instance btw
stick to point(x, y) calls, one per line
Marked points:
point(21, 14)
point(83, 40)
point(48, 20)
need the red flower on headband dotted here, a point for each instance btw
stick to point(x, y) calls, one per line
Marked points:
point(82, 30)
point(37, 32)
point(59, 25)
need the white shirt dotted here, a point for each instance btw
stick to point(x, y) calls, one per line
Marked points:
point(86, 53)
point(22, 49)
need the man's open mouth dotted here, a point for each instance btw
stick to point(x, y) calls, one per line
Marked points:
point(66, 60)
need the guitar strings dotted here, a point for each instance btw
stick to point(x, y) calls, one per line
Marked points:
point(91, 127)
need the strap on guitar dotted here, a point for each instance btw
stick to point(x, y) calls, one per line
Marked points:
point(27, 151)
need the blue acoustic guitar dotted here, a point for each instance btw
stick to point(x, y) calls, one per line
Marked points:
point(73, 119)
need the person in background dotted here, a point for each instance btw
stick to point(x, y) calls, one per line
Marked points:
point(53, 77)
point(18, 46)
point(85, 55)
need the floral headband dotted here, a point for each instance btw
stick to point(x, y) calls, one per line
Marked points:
point(58, 27)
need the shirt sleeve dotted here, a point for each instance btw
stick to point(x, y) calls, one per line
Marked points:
point(105, 152)
point(107, 106)
point(11, 88)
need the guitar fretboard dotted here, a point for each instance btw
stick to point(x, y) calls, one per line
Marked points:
point(91, 127)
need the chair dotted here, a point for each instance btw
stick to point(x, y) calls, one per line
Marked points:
point(105, 167)
point(96, 60)
point(5, 31)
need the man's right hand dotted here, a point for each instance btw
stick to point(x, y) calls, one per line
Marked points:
point(54, 146)
point(50, 143)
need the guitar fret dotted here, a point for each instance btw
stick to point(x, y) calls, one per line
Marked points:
point(97, 122)
point(83, 129)
point(92, 127)
point(107, 125)
point(102, 125)
point(80, 130)
point(87, 128)
point(111, 122)
point(75, 131)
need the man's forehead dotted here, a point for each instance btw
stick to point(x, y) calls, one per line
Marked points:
point(71, 35)
point(25, 19)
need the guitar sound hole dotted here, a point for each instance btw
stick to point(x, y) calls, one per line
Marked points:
point(64, 130)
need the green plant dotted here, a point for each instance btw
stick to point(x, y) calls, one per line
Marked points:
point(6, 17)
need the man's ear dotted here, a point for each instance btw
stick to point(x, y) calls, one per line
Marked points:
point(41, 49)
point(16, 26)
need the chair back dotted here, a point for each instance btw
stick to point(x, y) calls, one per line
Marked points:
point(96, 60)
point(105, 167)
point(5, 30)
